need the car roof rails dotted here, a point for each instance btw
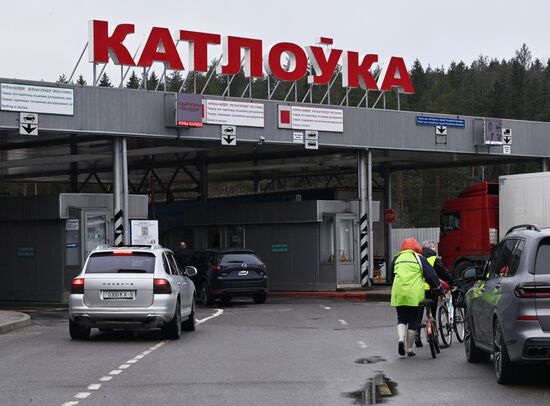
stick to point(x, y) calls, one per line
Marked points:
point(526, 226)
point(102, 247)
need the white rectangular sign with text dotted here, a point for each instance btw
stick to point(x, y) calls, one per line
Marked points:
point(320, 119)
point(234, 113)
point(36, 99)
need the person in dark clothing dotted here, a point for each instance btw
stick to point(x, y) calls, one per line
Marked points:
point(429, 252)
point(184, 254)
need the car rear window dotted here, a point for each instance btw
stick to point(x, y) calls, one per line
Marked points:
point(106, 262)
point(542, 263)
point(249, 259)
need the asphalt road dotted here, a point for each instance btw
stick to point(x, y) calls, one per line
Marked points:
point(285, 352)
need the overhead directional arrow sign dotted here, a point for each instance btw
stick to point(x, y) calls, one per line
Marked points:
point(229, 140)
point(441, 130)
point(507, 136)
point(28, 129)
point(28, 123)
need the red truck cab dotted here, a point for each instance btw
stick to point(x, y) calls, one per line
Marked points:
point(469, 227)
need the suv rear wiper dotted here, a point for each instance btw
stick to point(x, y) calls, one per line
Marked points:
point(128, 270)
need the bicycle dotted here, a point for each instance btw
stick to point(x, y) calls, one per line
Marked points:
point(450, 314)
point(430, 327)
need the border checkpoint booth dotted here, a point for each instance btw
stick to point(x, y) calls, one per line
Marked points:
point(46, 239)
point(307, 245)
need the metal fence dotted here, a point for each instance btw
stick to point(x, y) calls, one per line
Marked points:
point(421, 234)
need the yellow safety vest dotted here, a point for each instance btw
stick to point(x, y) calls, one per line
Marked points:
point(431, 261)
point(407, 288)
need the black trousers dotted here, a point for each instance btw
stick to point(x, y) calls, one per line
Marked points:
point(408, 315)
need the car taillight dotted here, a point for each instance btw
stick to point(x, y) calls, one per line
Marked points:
point(161, 286)
point(527, 318)
point(77, 286)
point(529, 290)
point(216, 268)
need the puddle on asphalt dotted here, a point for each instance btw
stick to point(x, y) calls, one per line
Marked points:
point(370, 360)
point(377, 390)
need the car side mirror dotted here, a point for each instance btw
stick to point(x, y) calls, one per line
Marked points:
point(190, 271)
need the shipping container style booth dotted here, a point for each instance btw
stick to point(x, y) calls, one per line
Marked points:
point(46, 239)
point(307, 245)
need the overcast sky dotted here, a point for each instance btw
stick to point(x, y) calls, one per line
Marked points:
point(41, 39)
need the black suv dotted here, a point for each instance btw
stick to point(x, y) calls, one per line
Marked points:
point(225, 273)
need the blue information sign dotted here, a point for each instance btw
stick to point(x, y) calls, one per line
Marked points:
point(440, 121)
point(71, 245)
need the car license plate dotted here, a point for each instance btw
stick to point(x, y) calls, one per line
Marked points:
point(118, 294)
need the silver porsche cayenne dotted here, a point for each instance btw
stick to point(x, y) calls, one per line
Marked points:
point(132, 288)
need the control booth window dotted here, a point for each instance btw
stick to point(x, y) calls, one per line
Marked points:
point(450, 221)
point(328, 243)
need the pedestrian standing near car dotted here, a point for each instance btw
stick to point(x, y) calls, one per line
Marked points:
point(410, 270)
point(429, 251)
point(184, 254)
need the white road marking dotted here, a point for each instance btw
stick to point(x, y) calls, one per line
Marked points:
point(325, 307)
point(219, 312)
point(362, 344)
point(343, 322)
point(126, 365)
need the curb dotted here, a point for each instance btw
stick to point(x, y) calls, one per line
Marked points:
point(21, 320)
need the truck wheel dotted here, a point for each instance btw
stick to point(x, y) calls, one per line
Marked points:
point(458, 270)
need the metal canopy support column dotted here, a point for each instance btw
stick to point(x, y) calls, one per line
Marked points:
point(388, 227)
point(74, 166)
point(363, 218)
point(369, 216)
point(117, 210)
point(125, 212)
point(203, 187)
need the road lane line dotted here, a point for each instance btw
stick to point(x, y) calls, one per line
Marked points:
point(325, 307)
point(219, 312)
point(126, 365)
point(343, 322)
point(362, 344)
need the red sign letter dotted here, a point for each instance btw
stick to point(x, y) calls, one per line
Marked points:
point(324, 68)
point(355, 75)
point(231, 64)
point(101, 46)
point(397, 76)
point(198, 48)
point(297, 59)
point(160, 47)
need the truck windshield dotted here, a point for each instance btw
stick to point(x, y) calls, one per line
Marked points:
point(450, 221)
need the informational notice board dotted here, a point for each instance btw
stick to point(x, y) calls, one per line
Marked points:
point(144, 232)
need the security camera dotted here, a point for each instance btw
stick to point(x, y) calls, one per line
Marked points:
point(262, 139)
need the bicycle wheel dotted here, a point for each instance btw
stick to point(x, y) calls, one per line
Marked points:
point(436, 336)
point(430, 338)
point(459, 324)
point(445, 327)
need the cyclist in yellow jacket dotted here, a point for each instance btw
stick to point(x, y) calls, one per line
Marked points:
point(410, 270)
point(429, 248)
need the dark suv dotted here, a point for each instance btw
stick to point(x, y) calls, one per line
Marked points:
point(508, 308)
point(225, 273)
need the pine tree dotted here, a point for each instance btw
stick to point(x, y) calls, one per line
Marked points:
point(133, 82)
point(105, 81)
point(62, 79)
point(174, 81)
point(152, 81)
point(81, 81)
